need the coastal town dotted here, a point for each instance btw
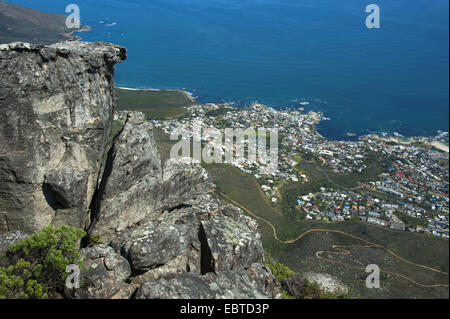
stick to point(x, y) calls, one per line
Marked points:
point(398, 183)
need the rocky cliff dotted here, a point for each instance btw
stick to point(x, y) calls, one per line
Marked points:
point(165, 234)
point(57, 107)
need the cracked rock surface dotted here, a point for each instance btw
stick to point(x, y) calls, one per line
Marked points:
point(56, 105)
point(105, 273)
point(135, 188)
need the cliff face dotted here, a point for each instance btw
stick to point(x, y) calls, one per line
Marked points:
point(134, 186)
point(57, 106)
point(168, 237)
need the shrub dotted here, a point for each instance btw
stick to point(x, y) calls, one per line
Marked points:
point(36, 266)
point(280, 271)
point(287, 296)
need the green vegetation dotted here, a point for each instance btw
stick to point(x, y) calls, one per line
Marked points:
point(163, 143)
point(297, 158)
point(321, 175)
point(443, 161)
point(418, 248)
point(280, 271)
point(164, 104)
point(287, 296)
point(116, 128)
point(376, 166)
point(35, 267)
point(244, 189)
point(219, 112)
point(411, 221)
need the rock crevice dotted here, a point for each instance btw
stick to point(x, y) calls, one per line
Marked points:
point(206, 257)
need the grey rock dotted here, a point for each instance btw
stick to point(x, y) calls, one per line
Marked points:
point(205, 205)
point(56, 105)
point(233, 239)
point(294, 285)
point(126, 292)
point(132, 171)
point(134, 188)
point(155, 244)
point(190, 240)
point(184, 180)
point(186, 262)
point(66, 192)
point(264, 279)
point(10, 238)
point(225, 285)
point(105, 274)
point(327, 283)
point(65, 185)
point(220, 242)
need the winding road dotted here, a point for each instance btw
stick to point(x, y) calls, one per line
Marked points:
point(343, 250)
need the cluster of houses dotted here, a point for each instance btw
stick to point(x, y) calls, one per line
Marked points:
point(416, 184)
point(220, 117)
point(339, 205)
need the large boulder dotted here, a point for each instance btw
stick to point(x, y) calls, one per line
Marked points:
point(183, 180)
point(225, 285)
point(295, 285)
point(56, 105)
point(265, 280)
point(184, 253)
point(203, 242)
point(159, 242)
point(104, 274)
point(233, 239)
point(327, 283)
point(133, 169)
point(135, 189)
point(188, 239)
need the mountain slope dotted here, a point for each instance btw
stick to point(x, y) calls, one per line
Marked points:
point(22, 24)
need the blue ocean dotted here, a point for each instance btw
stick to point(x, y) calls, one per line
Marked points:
point(282, 52)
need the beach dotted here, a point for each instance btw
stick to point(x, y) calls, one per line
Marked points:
point(440, 146)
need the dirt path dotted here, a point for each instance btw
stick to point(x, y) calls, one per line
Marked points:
point(343, 250)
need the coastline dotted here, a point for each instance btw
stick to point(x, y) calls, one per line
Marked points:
point(431, 140)
point(293, 92)
point(71, 35)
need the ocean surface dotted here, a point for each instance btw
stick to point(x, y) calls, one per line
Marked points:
point(282, 52)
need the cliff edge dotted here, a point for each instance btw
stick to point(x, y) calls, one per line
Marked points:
point(165, 235)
